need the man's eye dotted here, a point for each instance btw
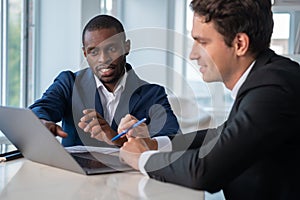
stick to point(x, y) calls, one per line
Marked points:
point(94, 52)
point(202, 42)
point(112, 49)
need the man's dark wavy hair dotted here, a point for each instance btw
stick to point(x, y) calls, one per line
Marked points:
point(253, 17)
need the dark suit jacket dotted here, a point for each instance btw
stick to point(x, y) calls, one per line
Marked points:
point(71, 93)
point(255, 154)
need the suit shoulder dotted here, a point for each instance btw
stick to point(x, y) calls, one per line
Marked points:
point(68, 77)
point(152, 87)
point(275, 71)
point(65, 74)
point(68, 74)
point(279, 70)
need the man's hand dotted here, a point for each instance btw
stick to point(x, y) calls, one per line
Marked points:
point(138, 141)
point(131, 150)
point(92, 122)
point(55, 129)
point(139, 131)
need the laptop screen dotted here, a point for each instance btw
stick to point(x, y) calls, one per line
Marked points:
point(38, 144)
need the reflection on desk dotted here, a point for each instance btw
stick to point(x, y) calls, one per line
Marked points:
point(23, 179)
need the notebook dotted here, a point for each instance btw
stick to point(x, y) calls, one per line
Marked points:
point(36, 143)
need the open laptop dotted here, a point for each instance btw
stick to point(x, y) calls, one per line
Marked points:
point(22, 127)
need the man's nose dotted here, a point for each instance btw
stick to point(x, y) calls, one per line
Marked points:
point(104, 57)
point(195, 52)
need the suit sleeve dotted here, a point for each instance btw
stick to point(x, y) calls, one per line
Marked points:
point(52, 105)
point(254, 130)
point(162, 119)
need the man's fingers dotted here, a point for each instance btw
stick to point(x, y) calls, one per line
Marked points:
point(86, 111)
point(60, 132)
point(87, 127)
point(88, 117)
point(96, 130)
point(126, 122)
point(91, 115)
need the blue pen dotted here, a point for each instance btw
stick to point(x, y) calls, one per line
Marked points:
point(125, 131)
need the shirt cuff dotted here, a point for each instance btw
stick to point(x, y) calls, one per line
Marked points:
point(143, 159)
point(163, 143)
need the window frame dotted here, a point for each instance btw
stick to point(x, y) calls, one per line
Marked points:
point(27, 64)
point(27, 58)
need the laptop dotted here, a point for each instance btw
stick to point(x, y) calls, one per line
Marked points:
point(36, 143)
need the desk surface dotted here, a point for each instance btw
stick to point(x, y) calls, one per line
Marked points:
point(24, 179)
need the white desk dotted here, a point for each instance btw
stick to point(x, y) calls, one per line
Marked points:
point(23, 179)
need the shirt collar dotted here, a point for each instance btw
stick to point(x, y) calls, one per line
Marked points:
point(240, 82)
point(120, 84)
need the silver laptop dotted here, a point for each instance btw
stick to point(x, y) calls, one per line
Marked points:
point(22, 127)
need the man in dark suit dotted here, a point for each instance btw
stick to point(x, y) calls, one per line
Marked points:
point(255, 154)
point(91, 102)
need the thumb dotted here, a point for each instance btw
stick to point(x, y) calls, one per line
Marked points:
point(60, 132)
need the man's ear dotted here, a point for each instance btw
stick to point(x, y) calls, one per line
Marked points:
point(84, 52)
point(241, 44)
point(127, 47)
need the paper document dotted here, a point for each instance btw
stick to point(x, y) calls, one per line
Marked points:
point(82, 149)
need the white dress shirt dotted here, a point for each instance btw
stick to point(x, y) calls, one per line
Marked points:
point(164, 143)
point(110, 100)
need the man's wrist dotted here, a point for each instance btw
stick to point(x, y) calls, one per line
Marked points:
point(143, 160)
point(153, 145)
point(120, 142)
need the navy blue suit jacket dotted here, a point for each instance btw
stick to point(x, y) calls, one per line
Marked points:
point(71, 93)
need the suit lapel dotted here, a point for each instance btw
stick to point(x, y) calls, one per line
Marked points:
point(98, 104)
point(85, 92)
point(130, 96)
point(250, 81)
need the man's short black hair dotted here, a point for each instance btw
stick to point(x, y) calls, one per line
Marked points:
point(103, 21)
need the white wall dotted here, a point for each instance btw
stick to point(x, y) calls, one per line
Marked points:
point(146, 23)
point(59, 33)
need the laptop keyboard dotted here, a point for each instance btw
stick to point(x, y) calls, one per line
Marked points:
point(93, 160)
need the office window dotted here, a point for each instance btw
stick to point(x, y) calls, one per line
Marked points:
point(11, 48)
point(109, 7)
point(281, 33)
point(16, 53)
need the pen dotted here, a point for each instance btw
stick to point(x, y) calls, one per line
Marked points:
point(125, 131)
point(12, 156)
